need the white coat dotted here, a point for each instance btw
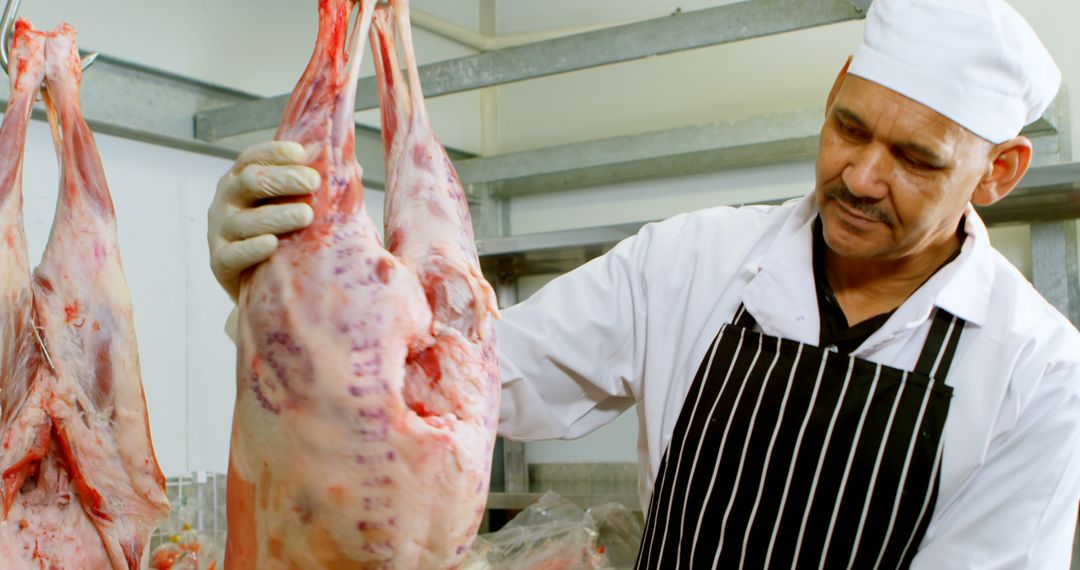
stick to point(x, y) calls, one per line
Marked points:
point(632, 327)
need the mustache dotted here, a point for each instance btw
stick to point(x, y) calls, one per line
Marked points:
point(865, 206)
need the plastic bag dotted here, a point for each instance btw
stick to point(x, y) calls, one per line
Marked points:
point(556, 534)
point(187, 550)
point(619, 533)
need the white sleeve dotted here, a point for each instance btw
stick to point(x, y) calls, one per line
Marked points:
point(1019, 509)
point(571, 355)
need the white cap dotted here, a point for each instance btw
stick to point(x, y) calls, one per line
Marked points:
point(977, 62)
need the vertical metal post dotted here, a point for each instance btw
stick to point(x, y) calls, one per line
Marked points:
point(200, 502)
point(515, 466)
point(489, 97)
point(506, 291)
point(1054, 273)
point(491, 219)
point(490, 214)
point(1055, 266)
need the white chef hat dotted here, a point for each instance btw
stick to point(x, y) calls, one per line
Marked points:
point(977, 62)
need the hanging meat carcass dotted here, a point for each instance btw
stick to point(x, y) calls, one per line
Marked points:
point(367, 386)
point(81, 486)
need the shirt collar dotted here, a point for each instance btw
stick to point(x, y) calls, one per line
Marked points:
point(963, 286)
point(781, 294)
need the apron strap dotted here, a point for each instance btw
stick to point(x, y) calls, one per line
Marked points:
point(743, 318)
point(940, 345)
point(938, 349)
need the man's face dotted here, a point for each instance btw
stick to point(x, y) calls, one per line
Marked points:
point(893, 176)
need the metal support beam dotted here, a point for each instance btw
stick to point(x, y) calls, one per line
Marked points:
point(147, 105)
point(515, 469)
point(556, 240)
point(490, 214)
point(675, 152)
point(1055, 266)
point(1035, 205)
point(156, 107)
point(679, 32)
point(683, 151)
point(506, 292)
point(1048, 194)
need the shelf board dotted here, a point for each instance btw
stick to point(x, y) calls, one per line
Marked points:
point(1047, 193)
point(711, 147)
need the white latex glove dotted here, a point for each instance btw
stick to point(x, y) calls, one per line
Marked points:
point(242, 232)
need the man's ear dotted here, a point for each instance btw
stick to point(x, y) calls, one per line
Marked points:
point(836, 85)
point(1010, 160)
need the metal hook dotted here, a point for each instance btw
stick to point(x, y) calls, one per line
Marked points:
point(7, 26)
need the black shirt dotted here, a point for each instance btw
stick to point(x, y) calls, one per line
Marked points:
point(834, 326)
point(835, 331)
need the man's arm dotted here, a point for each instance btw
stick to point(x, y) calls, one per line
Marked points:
point(571, 355)
point(1019, 509)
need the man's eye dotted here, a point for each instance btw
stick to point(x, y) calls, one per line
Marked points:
point(916, 163)
point(852, 132)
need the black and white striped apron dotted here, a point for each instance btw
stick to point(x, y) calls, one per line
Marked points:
point(787, 455)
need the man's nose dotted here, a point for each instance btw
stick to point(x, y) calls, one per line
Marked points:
point(867, 174)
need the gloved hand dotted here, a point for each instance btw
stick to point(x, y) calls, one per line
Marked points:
point(242, 232)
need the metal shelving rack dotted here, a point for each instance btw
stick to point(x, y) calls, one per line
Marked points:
point(165, 109)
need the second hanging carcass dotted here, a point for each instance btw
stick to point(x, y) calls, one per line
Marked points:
point(81, 486)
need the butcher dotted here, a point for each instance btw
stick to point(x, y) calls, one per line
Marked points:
point(853, 379)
